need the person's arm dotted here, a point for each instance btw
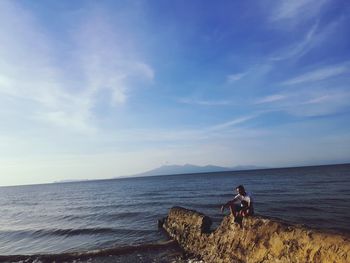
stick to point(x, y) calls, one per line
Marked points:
point(231, 202)
point(226, 205)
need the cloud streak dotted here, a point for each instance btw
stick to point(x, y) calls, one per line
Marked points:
point(296, 10)
point(270, 98)
point(298, 49)
point(232, 123)
point(191, 101)
point(308, 103)
point(319, 74)
point(235, 77)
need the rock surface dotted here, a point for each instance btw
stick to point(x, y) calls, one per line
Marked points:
point(259, 240)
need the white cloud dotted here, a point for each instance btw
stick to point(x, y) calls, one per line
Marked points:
point(312, 109)
point(296, 10)
point(64, 83)
point(204, 102)
point(319, 101)
point(319, 74)
point(270, 98)
point(298, 49)
point(74, 121)
point(178, 136)
point(232, 123)
point(144, 70)
point(322, 103)
point(235, 77)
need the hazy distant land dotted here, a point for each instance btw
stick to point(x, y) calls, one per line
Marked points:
point(190, 169)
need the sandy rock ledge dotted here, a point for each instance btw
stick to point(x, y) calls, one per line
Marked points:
point(260, 240)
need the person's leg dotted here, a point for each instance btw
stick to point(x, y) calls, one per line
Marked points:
point(234, 208)
point(236, 213)
point(239, 220)
point(245, 212)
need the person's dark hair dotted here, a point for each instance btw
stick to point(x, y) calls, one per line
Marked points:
point(241, 188)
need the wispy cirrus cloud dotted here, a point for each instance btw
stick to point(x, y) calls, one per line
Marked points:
point(297, 10)
point(322, 104)
point(233, 122)
point(308, 102)
point(319, 74)
point(235, 77)
point(64, 86)
point(270, 98)
point(192, 101)
point(298, 49)
point(227, 129)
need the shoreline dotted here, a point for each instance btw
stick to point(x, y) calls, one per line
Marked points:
point(96, 254)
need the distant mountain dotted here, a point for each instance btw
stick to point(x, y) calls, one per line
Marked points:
point(70, 181)
point(178, 169)
point(189, 169)
point(247, 167)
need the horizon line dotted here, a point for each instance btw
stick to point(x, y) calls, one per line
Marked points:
point(67, 181)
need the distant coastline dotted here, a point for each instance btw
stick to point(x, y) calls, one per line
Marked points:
point(170, 170)
point(191, 169)
point(72, 181)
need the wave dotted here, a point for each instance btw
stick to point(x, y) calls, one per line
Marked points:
point(201, 205)
point(164, 193)
point(295, 208)
point(101, 215)
point(86, 255)
point(76, 232)
point(201, 195)
point(73, 232)
point(122, 215)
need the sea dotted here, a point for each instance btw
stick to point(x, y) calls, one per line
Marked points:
point(116, 220)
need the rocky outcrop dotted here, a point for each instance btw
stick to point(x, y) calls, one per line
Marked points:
point(259, 240)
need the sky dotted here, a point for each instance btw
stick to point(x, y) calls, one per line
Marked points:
point(101, 89)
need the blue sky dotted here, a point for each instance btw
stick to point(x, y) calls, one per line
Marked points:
point(100, 89)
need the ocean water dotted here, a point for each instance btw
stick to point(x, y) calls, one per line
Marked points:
point(120, 215)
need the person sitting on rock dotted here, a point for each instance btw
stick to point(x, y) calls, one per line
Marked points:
point(241, 205)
